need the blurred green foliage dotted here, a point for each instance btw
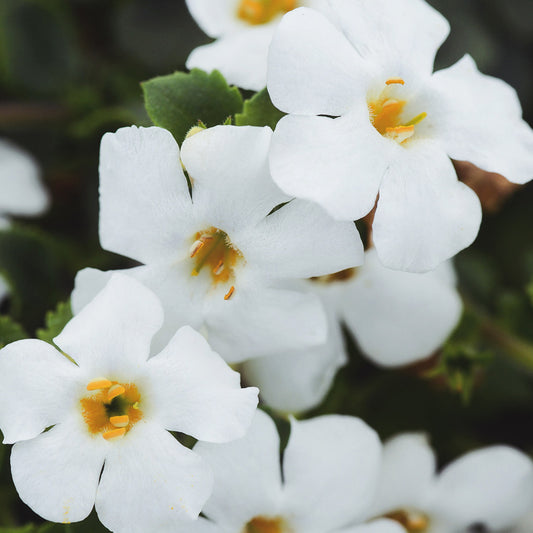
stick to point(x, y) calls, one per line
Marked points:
point(70, 70)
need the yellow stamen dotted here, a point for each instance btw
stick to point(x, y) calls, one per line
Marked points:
point(228, 295)
point(417, 119)
point(114, 391)
point(219, 268)
point(392, 81)
point(263, 11)
point(100, 383)
point(114, 434)
point(400, 133)
point(196, 247)
point(121, 421)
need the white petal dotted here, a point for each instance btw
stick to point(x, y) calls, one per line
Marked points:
point(301, 240)
point(37, 385)
point(241, 57)
point(479, 119)
point(424, 215)
point(215, 18)
point(492, 486)
point(312, 68)
point(110, 337)
point(247, 475)
point(232, 186)
point(376, 526)
point(87, 284)
point(194, 391)
point(150, 481)
point(144, 200)
point(337, 163)
point(397, 35)
point(56, 474)
point(331, 469)
point(255, 323)
point(407, 473)
point(197, 526)
point(22, 191)
point(296, 381)
point(399, 317)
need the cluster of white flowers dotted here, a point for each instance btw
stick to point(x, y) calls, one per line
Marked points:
point(250, 256)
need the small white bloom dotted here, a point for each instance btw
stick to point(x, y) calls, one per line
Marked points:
point(368, 116)
point(109, 408)
point(243, 30)
point(491, 488)
point(326, 484)
point(218, 260)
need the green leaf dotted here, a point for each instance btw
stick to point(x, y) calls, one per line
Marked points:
point(10, 331)
point(178, 101)
point(55, 322)
point(259, 111)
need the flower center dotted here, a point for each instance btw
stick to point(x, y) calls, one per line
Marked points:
point(412, 521)
point(213, 251)
point(112, 409)
point(342, 275)
point(262, 11)
point(261, 524)
point(386, 114)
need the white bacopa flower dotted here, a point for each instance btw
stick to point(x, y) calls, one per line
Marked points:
point(326, 484)
point(396, 317)
point(486, 490)
point(94, 428)
point(243, 30)
point(367, 116)
point(217, 260)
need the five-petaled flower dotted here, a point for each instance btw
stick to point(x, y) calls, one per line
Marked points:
point(220, 259)
point(90, 424)
point(369, 121)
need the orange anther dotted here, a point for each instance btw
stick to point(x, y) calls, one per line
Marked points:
point(114, 391)
point(121, 421)
point(392, 81)
point(228, 295)
point(114, 434)
point(219, 268)
point(196, 247)
point(100, 383)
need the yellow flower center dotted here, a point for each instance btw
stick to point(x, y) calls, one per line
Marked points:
point(412, 521)
point(213, 251)
point(112, 409)
point(262, 11)
point(386, 114)
point(261, 524)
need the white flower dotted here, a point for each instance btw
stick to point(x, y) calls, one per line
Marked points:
point(491, 488)
point(109, 407)
point(217, 261)
point(21, 191)
point(326, 484)
point(243, 30)
point(368, 116)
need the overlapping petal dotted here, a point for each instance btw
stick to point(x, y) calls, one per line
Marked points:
point(331, 467)
point(247, 475)
point(112, 336)
point(194, 391)
point(57, 473)
point(424, 215)
point(43, 382)
point(478, 119)
point(150, 478)
point(145, 207)
point(376, 526)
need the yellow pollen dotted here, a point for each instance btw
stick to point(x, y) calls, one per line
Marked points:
point(261, 524)
point(100, 383)
point(412, 521)
point(114, 391)
point(386, 113)
point(213, 250)
point(114, 434)
point(262, 11)
point(121, 421)
point(229, 294)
